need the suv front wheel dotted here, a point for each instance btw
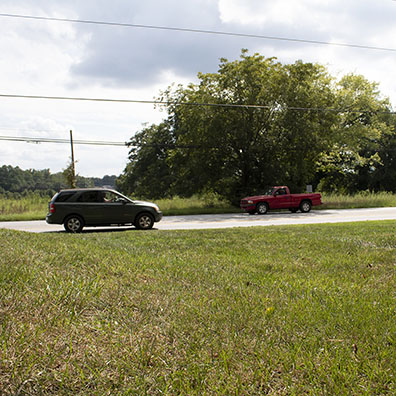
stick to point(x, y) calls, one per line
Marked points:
point(73, 223)
point(144, 221)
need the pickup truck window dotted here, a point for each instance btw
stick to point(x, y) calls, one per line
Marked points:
point(281, 191)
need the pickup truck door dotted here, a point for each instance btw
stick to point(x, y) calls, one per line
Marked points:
point(282, 199)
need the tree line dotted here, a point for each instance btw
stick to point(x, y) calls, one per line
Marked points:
point(16, 180)
point(291, 124)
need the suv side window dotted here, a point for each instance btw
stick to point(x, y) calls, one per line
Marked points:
point(88, 196)
point(108, 196)
point(65, 196)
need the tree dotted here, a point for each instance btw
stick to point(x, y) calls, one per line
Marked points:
point(383, 176)
point(257, 122)
point(361, 130)
point(69, 175)
point(148, 173)
point(239, 150)
point(13, 179)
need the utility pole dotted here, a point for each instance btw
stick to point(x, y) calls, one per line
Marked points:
point(73, 169)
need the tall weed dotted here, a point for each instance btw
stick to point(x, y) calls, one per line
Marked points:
point(363, 199)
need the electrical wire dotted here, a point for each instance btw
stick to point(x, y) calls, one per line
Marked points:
point(201, 31)
point(54, 140)
point(38, 140)
point(168, 103)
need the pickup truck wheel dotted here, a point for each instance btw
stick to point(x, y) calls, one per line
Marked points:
point(262, 208)
point(305, 206)
point(73, 223)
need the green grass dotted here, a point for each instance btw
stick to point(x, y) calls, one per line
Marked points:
point(360, 200)
point(299, 310)
point(34, 207)
point(30, 207)
point(196, 205)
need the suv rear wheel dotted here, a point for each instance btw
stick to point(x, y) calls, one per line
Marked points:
point(73, 223)
point(144, 221)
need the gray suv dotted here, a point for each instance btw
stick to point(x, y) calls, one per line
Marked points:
point(77, 208)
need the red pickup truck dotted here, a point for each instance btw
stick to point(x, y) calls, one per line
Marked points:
point(279, 197)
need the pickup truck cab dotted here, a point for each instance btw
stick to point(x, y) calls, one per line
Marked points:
point(279, 197)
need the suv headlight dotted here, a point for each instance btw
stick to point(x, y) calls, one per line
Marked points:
point(157, 209)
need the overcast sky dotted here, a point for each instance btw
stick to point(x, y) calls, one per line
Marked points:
point(84, 60)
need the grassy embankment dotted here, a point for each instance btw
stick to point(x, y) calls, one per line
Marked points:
point(299, 310)
point(34, 207)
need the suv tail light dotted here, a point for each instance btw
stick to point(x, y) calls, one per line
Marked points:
point(52, 208)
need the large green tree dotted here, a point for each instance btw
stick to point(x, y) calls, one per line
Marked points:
point(362, 136)
point(258, 122)
point(237, 150)
point(148, 173)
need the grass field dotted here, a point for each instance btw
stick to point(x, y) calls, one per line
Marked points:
point(359, 200)
point(34, 207)
point(30, 207)
point(299, 310)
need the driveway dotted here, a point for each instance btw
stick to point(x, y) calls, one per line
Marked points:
point(195, 222)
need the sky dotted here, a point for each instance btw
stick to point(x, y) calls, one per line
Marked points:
point(53, 58)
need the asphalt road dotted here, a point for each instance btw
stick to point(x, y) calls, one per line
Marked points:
point(196, 222)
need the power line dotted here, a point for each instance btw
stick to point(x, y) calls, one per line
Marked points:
point(224, 105)
point(125, 144)
point(98, 142)
point(201, 31)
point(83, 99)
point(55, 140)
